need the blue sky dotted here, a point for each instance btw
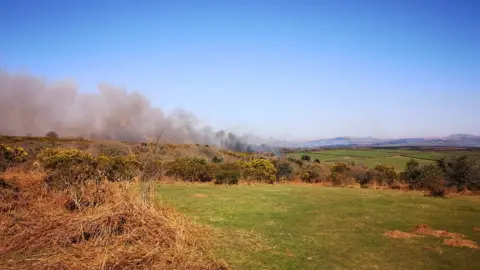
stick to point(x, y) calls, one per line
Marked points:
point(288, 69)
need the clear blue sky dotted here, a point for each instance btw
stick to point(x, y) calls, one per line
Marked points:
point(297, 69)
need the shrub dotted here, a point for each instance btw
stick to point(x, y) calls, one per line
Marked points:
point(296, 161)
point(313, 173)
point(228, 177)
point(306, 158)
point(432, 180)
point(258, 169)
point(412, 172)
point(341, 175)
point(67, 166)
point(385, 174)
point(10, 156)
point(216, 159)
point(118, 168)
point(461, 172)
point(316, 160)
point(284, 169)
point(362, 174)
point(190, 169)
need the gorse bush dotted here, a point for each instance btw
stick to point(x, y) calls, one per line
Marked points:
point(259, 169)
point(385, 174)
point(313, 173)
point(227, 177)
point(285, 170)
point(67, 166)
point(190, 169)
point(10, 156)
point(411, 173)
point(432, 179)
point(118, 168)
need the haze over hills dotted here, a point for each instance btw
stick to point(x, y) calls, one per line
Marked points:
point(456, 140)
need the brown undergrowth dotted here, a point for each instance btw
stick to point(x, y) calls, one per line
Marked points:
point(451, 239)
point(39, 231)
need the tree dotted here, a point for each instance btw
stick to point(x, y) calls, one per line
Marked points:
point(51, 134)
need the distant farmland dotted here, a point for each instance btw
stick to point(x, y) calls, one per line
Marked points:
point(371, 157)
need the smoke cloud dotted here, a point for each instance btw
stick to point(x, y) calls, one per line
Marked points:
point(28, 105)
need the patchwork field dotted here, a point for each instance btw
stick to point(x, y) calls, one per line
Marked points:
point(371, 157)
point(313, 227)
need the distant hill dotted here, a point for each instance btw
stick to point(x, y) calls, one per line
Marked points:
point(454, 140)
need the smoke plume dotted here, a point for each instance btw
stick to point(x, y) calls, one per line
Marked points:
point(28, 105)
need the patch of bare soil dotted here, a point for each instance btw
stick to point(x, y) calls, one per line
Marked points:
point(426, 230)
point(200, 195)
point(461, 243)
point(400, 234)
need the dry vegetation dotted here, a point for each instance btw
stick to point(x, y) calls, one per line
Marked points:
point(77, 204)
point(90, 221)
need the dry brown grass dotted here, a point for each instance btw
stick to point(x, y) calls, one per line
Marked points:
point(451, 239)
point(461, 243)
point(400, 234)
point(426, 230)
point(37, 231)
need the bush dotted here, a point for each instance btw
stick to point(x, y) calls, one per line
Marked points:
point(284, 169)
point(341, 175)
point(313, 173)
point(190, 169)
point(362, 174)
point(228, 177)
point(462, 172)
point(432, 180)
point(296, 161)
point(258, 169)
point(66, 167)
point(316, 160)
point(10, 156)
point(385, 174)
point(306, 158)
point(118, 168)
point(216, 159)
point(411, 173)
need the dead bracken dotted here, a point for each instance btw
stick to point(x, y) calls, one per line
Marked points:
point(461, 243)
point(451, 239)
point(426, 230)
point(37, 231)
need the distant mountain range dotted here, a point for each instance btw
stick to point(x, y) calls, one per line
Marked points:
point(455, 140)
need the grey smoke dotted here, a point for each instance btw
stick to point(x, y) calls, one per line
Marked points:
point(28, 105)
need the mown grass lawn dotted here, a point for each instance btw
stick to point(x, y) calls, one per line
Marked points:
point(314, 227)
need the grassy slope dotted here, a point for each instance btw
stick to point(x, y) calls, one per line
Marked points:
point(337, 228)
point(371, 157)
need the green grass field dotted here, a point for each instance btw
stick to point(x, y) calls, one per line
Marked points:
point(371, 157)
point(314, 227)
